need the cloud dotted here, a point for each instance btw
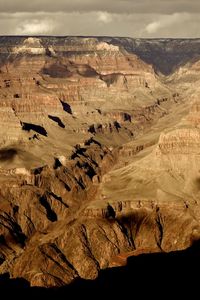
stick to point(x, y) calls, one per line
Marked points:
point(111, 6)
point(104, 17)
point(35, 27)
point(134, 18)
point(166, 21)
point(93, 23)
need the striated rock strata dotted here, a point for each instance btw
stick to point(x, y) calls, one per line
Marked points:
point(99, 153)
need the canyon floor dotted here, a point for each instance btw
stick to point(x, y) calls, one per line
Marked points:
point(99, 158)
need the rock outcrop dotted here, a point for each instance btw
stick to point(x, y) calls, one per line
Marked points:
point(99, 153)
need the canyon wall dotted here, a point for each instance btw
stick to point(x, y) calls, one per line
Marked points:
point(98, 153)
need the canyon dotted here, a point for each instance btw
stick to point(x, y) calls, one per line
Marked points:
point(99, 154)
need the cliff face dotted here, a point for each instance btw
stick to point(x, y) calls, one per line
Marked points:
point(166, 55)
point(49, 85)
point(98, 153)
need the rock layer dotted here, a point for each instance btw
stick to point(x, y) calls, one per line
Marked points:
point(99, 154)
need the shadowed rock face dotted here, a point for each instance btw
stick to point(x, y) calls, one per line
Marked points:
point(37, 128)
point(99, 155)
point(153, 270)
point(166, 55)
point(7, 154)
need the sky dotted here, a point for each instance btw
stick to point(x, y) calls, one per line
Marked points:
point(129, 18)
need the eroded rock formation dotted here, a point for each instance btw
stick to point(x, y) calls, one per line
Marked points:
point(99, 153)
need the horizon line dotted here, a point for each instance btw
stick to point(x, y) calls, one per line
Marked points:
point(99, 36)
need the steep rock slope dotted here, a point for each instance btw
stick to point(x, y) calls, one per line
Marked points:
point(48, 86)
point(71, 110)
point(166, 55)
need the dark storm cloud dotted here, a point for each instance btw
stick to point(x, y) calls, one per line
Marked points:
point(111, 6)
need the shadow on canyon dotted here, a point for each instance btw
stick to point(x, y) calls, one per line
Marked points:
point(8, 154)
point(146, 274)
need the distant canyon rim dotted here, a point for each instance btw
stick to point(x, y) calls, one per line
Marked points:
point(99, 153)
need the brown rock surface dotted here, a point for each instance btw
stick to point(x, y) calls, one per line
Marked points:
point(99, 154)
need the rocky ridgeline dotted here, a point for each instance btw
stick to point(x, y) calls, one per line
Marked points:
point(93, 242)
point(119, 209)
point(103, 128)
point(131, 149)
point(42, 196)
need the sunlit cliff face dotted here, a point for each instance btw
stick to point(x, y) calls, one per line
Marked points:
point(99, 153)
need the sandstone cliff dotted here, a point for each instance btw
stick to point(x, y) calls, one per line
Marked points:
point(99, 153)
